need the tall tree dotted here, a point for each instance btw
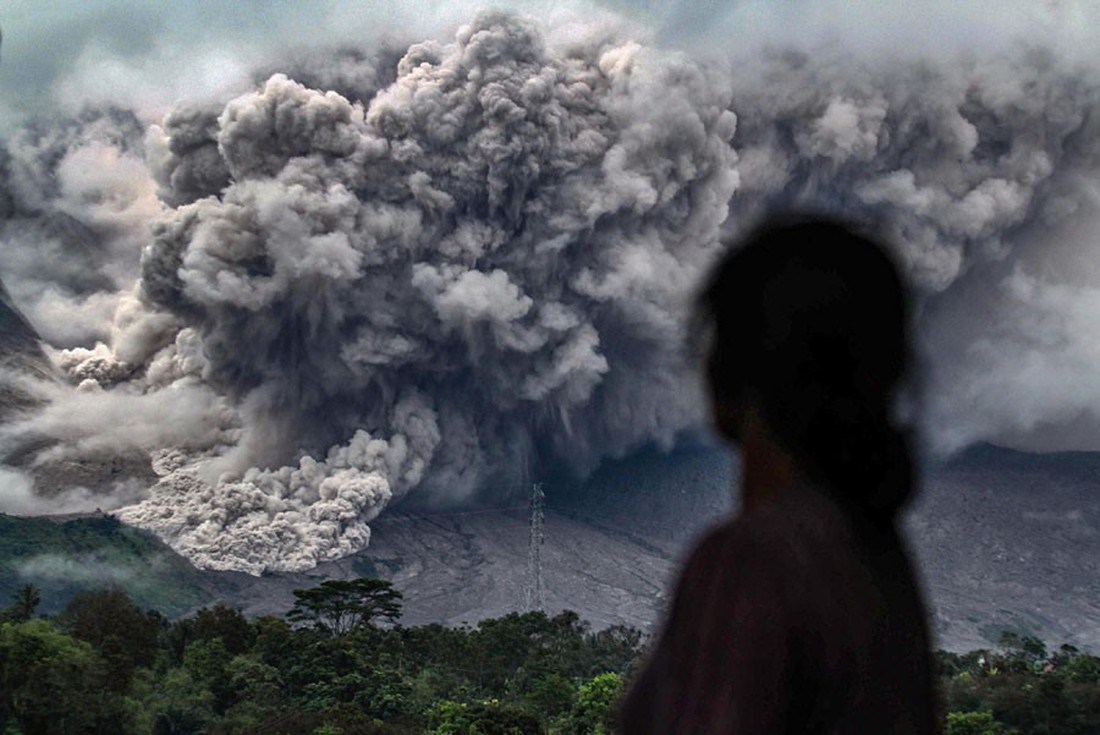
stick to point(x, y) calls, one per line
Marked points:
point(50, 683)
point(23, 604)
point(342, 605)
point(123, 635)
point(219, 621)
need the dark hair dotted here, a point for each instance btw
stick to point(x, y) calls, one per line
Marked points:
point(808, 318)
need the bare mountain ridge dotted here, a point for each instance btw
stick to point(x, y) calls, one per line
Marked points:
point(20, 354)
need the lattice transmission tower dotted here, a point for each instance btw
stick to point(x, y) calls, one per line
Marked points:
point(532, 593)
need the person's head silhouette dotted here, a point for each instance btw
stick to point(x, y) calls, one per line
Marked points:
point(801, 612)
point(808, 321)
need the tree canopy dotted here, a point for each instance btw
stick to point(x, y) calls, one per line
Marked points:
point(330, 667)
point(23, 604)
point(339, 606)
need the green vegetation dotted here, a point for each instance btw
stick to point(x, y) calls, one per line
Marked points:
point(1021, 688)
point(336, 664)
point(341, 606)
point(64, 558)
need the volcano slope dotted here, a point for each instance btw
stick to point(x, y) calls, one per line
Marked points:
point(1004, 541)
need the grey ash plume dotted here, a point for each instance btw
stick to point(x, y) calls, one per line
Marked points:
point(426, 286)
point(412, 271)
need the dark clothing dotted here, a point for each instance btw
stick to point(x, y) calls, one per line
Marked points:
point(795, 618)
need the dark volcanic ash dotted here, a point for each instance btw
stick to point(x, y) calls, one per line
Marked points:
point(375, 274)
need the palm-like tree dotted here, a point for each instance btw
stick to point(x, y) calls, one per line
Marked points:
point(24, 603)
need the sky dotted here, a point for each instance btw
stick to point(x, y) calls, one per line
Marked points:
point(153, 53)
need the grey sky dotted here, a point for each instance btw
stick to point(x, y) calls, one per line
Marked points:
point(148, 54)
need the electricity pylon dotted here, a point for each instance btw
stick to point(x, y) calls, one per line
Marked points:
point(532, 594)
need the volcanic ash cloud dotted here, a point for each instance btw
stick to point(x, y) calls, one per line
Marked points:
point(419, 271)
point(486, 259)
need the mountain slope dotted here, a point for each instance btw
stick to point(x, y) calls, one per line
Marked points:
point(1004, 541)
point(64, 557)
point(1011, 541)
point(20, 355)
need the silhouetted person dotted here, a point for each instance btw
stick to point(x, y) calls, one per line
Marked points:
point(801, 614)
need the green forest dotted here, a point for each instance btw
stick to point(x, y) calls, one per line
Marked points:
point(339, 663)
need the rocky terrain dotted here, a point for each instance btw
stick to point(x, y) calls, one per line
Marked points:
point(20, 354)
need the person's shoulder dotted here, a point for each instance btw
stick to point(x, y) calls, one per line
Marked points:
point(735, 549)
point(782, 536)
point(736, 534)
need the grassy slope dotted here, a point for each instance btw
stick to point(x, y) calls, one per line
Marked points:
point(62, 558)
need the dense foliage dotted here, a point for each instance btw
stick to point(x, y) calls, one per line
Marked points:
point(1021, 688)
point(335, 664)
point(338, 665)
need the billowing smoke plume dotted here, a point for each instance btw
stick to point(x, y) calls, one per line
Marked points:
point(425, 269)
point(983, 168)
point(440, 276)
point(481, 264)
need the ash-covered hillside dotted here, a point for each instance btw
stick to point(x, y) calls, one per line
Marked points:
point(1004, 540)
point(1009, 540)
